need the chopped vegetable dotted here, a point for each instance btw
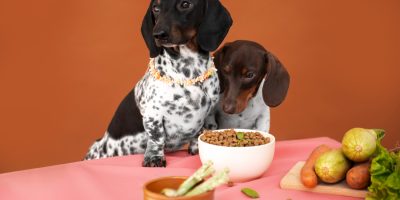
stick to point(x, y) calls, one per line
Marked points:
point(250, 193)
point(202, 173)
point(169, 192)
point(240, 135)
point(186, 188)
point(213, 182)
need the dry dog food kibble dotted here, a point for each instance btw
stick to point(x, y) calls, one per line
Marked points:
point(231, 138)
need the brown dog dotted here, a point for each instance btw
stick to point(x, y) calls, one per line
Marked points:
point(252, 80)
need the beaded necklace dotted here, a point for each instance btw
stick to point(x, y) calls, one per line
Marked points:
point(184, 82)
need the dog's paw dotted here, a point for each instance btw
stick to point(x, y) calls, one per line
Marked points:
point(193, 149)
point(211, 126)
point(154, 161)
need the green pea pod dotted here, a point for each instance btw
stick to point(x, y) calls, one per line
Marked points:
point(250, 193)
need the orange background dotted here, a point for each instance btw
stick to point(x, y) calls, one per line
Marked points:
point(65, 66)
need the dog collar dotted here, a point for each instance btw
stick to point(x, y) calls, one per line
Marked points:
point(184, 82)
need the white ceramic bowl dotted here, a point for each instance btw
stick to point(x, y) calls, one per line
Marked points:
point(244, 163)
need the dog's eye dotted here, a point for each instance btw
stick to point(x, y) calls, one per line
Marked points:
point(250, 75)
point(185, 5)
point(156, 9)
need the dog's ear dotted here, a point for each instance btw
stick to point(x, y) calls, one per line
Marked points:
point(218, 58)
point(276, 83)
point(147, 32)
point(215, 26)
point(219, 55)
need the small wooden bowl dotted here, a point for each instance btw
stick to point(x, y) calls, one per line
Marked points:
point(152, 189)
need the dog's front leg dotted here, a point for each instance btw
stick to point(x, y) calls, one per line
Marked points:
point(210, 122)
point(154, 154)
point(193, 144)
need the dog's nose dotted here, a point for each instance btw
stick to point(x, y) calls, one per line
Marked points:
point(229, 108)
point(161, 35)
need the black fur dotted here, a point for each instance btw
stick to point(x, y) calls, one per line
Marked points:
point(127, 119)
point(147, 32)
point(210, 19)
point(214, 27)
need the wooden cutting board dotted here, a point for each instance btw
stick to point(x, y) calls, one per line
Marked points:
point(292, 181)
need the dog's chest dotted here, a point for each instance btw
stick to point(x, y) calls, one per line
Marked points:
point(182, 108)
point(185, 110)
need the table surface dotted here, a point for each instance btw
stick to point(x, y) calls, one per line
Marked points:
point(123, 177)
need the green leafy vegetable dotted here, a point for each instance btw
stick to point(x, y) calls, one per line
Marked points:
point(240, 135)
point(380, 133)
point(250, 193)
point(385, 175)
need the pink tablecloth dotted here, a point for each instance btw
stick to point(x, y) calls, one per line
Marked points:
point(123, 177)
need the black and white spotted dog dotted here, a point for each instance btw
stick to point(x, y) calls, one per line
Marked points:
point(157, 116)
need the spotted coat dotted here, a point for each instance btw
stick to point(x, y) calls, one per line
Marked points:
point(168, 116)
